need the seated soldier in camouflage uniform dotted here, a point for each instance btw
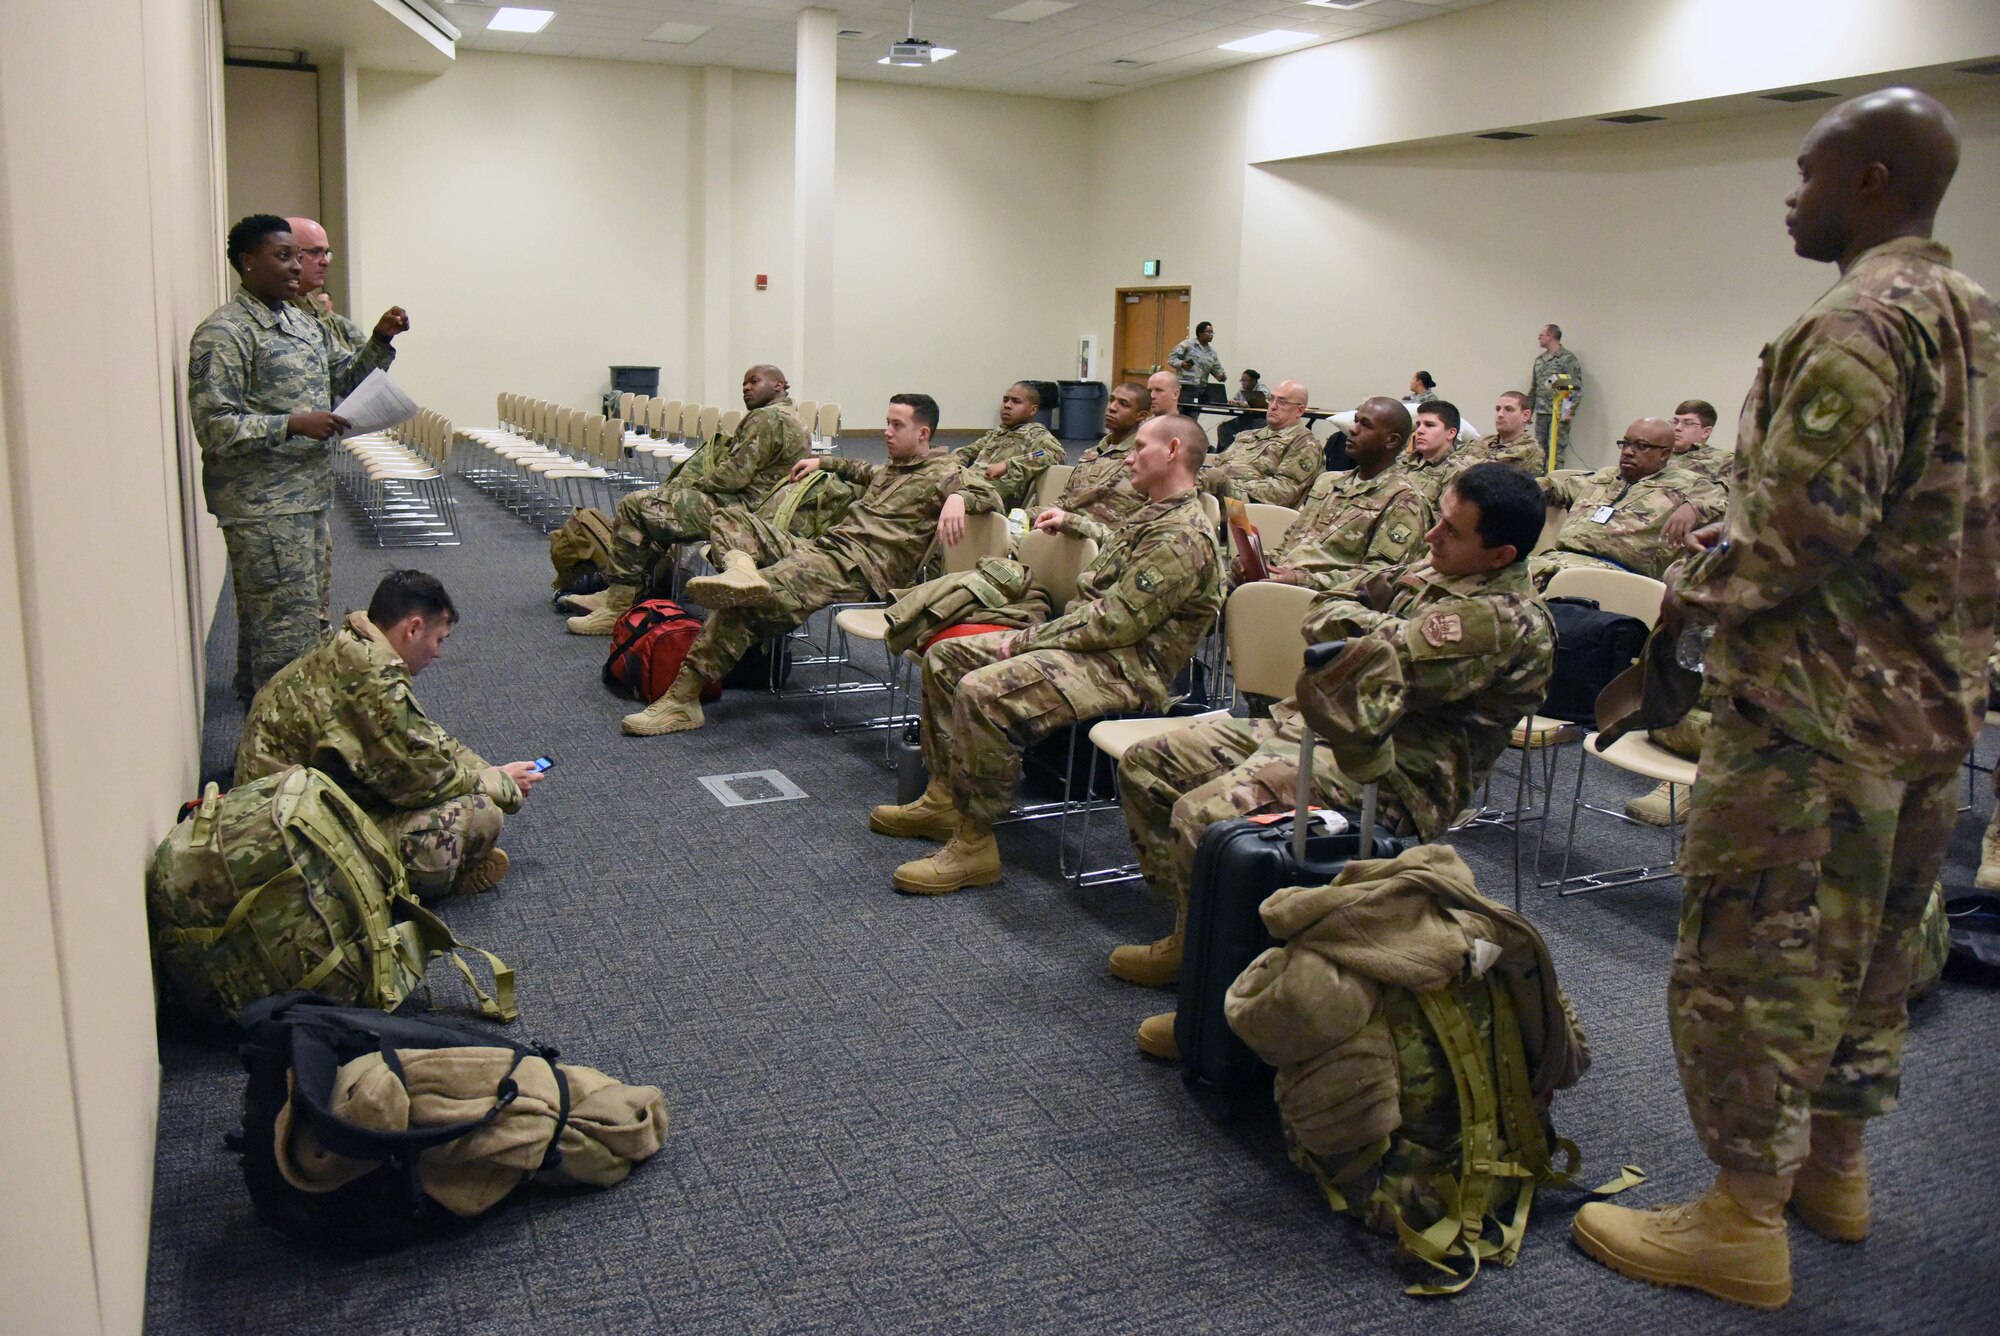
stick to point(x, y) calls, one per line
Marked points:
point(1475, 648)
point(1274, 464)
point(1513, 439)
point(1141, 606)
point(1433, 454)
point(1100, 485)
point(1618, 516)
point(1363, 519)
point(346, 708)
point(771, 580)
point(1014, 456)
point(740, 471)
point(1694, 423)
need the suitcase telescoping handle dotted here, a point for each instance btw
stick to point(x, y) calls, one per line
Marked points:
point(1317, 657)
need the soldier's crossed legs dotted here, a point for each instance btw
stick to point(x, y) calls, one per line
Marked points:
point(281, 568)
point(1805, 881)
point(803, 580)
point(438, 843)
point(649, 523)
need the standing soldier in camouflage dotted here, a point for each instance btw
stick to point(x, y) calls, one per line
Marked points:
point(1100, 486)
point(1275, 463)
point(1141, 606)
point(1617, 516)
point(1433, 454)
point(1852, 594)
point(262, 381)
point(1195, 362)
point(742, 470)
point(346, 708)
point(1362, 519)
point(772, 580)
point(1554, 361)
point(1512, 441)
point(1472, 652)
point(315, 257)
point(1015, 455)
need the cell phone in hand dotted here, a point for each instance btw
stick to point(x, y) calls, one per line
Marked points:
point(543, 762)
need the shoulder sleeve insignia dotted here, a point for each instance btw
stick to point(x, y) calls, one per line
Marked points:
point(1822, 414)
point(1399, 533)
point(1443, 628)
point(198, 364)
point(1147, 581)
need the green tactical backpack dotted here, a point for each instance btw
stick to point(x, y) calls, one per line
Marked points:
point(1933, 945)
point(809, 507)
point(284, 883)
point(581, 548)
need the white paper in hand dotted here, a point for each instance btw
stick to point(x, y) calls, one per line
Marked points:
point(374, 405)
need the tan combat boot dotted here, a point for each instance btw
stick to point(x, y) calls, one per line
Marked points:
point(1988, 878)
point(1655, 809)
point(483, 875)
point(932, 816)
point(736, 584)
point(1157, 965)
point(1729, 1242)
point(1830, 1194)
point(970, 859)
point(603, 620)
point(584, 602)
point(1156, 1037)
point(679, 711)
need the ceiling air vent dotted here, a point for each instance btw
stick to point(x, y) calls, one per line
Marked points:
point(1630, 118)
point(1799, 95)
point(1505, 134)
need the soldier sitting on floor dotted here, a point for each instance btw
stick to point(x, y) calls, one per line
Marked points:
point(771, 580)
point(739, 470)
point(1014, 455)
point(346, 708)
point(1473, 648)
point(1618, 516)
point(1141, 606)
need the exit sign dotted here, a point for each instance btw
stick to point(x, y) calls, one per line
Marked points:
point(1149, 268)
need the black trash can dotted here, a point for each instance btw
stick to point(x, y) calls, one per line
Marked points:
point(635, 380)
point(1083, 403)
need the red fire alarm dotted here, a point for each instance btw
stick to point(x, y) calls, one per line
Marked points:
point(763, 282)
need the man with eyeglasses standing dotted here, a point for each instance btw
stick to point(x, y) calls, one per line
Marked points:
point(315, 256)
point(1618, 516)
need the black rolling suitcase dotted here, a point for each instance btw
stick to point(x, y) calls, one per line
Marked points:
point(1236, 867)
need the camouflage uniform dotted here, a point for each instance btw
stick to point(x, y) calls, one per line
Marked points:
point(343, 333)
point(1476, 652)
point(1101, 486)
point(1524, 452)
point(1426, 478)
point(1202, 363)
point(346, 708)
point(1141, 606)
point(250, 367)
point(877, 547)
point(1561, 362)
point(741, 471)
point(1854, 614)
point(1628, 537)
point(1351, 524)
point(1028, 451)
point(1266, 465)
point(1708, 461)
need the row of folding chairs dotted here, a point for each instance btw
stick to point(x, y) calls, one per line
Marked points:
point(681, 425)
point(396, 479)
point(542, 460)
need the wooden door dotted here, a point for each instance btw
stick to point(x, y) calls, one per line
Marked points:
point(1150, 321)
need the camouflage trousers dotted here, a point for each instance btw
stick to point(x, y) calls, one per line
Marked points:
point(1175, 786)
point(1805, 882)
point(980, 710)
point(281, 567)
point(803, 580)
point(437, 843)
point(649, 523)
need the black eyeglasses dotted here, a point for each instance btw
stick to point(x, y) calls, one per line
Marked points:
point(318, 252)
point(1627, 443)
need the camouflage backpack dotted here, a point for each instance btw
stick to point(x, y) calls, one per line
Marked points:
point(1933, 945)
point(284, 883)
point(581, 549)
point(809, 507)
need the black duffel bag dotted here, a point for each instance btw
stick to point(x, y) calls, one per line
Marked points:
point(1592, 647)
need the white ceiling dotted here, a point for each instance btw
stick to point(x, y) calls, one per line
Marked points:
point(1067, 54)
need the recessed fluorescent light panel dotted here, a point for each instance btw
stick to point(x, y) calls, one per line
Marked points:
point(1338, 4)
point(678, 34)
point(509, 19)
point(1030, 10)
point(1275, 40)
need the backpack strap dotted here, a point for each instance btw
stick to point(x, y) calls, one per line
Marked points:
point(438, 940)
point(795, 498)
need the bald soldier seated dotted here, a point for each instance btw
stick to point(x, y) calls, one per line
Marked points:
point(740, 470)
point(1277, 462)
point(771, 580)
point(1014, 456)
point(1365, 518)
point(346, 708)
point(1100, 485)
point(1472, 648)
point(1618, 516)
point(1141, 606)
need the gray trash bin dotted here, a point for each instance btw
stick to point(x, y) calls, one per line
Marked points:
point(1083, 403)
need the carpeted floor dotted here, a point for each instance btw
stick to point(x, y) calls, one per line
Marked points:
point(896, 1114)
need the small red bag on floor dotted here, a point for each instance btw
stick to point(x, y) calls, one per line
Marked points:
point(647, 648)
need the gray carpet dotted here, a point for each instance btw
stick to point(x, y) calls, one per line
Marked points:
point(893, 1114)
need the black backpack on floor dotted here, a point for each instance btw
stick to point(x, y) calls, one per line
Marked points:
point(1592, 647)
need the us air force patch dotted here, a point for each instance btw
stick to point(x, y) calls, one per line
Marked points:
point(1443, 628)
point(1147, 581)
point(1823, 413)
point(198, 364)
point(1399, 533)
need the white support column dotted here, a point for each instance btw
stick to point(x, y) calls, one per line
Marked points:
point(339, 133)
point(710, 334)
point(812, 205)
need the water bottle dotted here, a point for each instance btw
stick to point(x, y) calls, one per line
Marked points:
point(1692, 649)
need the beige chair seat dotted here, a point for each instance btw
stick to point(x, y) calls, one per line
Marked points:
point(864, 623)
point(1640, 755)
point(1115, 737)
point(1539, 730)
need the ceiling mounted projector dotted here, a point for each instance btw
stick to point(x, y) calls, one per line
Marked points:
point(914, 50)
